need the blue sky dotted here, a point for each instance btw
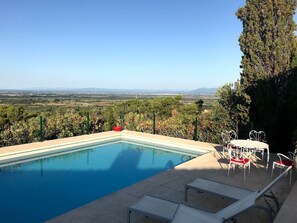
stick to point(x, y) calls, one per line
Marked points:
point(135, 44)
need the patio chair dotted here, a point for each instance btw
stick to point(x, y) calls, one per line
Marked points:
point(282, 163)
point(168, 211)
point(239, 157)
point(227, 136)
point(293, 154)
point(258, 136)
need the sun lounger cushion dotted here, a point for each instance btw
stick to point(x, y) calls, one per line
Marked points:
point(154, 207)
point(185, 214)
point(217, 188)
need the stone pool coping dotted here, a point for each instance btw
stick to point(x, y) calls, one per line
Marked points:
point(18, 153)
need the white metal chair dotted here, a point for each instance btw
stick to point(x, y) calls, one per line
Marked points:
point(239, 157)
point(283, 162)
point(227, 136)
point(258, 136)
point(293, 154)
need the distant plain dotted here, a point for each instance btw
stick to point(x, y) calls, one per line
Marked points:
point(43, 100)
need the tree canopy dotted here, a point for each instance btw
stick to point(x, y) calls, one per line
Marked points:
point(233, 98)
point(268, 41)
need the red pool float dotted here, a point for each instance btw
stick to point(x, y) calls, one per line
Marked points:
point(117, 128)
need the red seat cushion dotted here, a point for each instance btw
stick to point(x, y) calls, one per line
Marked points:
point(241, 161)
point(285, 163)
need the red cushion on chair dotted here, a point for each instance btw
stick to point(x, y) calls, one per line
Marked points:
point(233, 147)
point(285, 162)
point(240, 161)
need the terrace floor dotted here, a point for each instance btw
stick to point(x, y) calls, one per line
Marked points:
point(170, 185)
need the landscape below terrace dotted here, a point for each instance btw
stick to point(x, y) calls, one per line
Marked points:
point(90, 97)
point(31, 116)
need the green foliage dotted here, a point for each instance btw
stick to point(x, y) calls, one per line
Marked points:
point(61, 125)
point(97, 121)
point(109, 118)
point(199, 105)
point(163, 106)
point(213, 121)
point(56, 124)
point(294, 62)
point(174, 118)
point(268, 41)
point(178, 125)
point(233, 98)
point(9, 114)
point(274, 110)
point(129, 110)
point(19, 133)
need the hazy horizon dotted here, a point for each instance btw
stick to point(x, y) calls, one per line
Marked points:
point(102, 89)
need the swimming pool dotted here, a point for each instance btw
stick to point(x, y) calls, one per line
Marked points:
point(41, 189)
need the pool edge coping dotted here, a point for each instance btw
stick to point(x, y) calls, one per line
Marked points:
point(65, 145)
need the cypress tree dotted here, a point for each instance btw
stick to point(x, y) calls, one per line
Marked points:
point(268, 41)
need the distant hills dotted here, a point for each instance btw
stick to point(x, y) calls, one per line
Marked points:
point(198, 91)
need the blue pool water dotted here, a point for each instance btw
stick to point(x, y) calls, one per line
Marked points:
point(39, 190)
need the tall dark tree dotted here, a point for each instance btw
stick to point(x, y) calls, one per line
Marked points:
point(268, 43)
point(199, 105)
point(268, 40)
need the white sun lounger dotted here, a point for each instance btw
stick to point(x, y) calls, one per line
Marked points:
point(217, 188)
point(225, 190)
point(168, 211)
point(155, 208)
point(191, 215)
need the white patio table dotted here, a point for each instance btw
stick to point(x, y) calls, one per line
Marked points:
point(251, 145)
